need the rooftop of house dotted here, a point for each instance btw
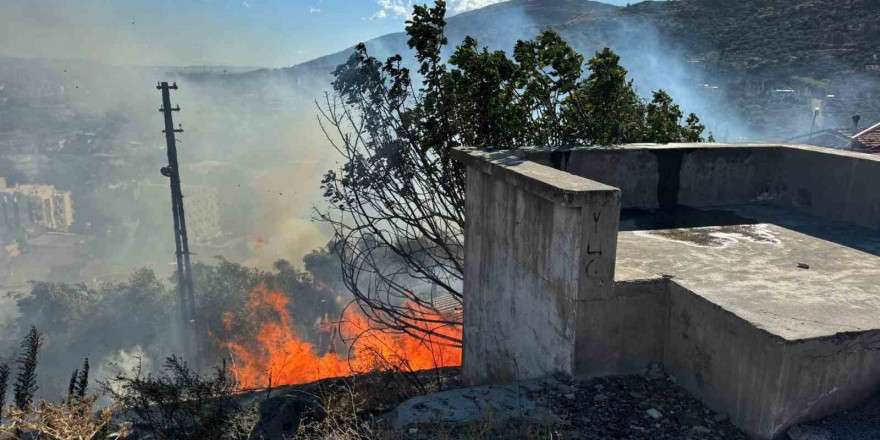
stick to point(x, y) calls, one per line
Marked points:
point(865, 141)
point(784, 236)
point(749, 271)
point(794, 275)
point(836, 136)
point(869, 139)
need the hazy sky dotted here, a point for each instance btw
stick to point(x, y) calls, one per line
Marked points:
point(270, 33)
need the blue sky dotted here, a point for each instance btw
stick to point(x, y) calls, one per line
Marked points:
point(270, 33)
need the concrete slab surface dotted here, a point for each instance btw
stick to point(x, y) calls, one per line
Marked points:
point(792, 275)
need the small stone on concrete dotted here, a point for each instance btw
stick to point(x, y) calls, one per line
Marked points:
point(803, 266)
point(656, 415)
point(655, 372)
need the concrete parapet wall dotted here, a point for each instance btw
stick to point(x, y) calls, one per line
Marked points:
point(725, 361)
point(826, 375)
point(833, 184)
point(623, 334)
point(537, 242)
point(842, 186)
point(711, 177)
point(763, 382)
point(540, 297)
point(633, 171)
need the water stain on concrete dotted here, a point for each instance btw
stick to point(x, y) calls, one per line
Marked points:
point(715, 236)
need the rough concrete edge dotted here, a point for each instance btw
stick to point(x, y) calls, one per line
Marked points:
point(651, 280)
point(773, 337)
point(786, 346)
point(549, 183)
point(523, 151)
point(776, 338)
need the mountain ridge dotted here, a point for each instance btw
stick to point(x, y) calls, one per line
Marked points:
point(751, 69)
point(755, 37)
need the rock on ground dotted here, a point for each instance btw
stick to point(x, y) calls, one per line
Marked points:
point(494, 402)
point(627, 409)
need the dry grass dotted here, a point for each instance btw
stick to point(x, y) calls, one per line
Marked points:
point(241, 425)
point(74, 420)
point(342, 417)
point(358, 409)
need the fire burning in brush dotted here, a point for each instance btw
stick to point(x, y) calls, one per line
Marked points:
point(278, 356)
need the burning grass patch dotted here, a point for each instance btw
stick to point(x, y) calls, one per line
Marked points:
point(278, 355)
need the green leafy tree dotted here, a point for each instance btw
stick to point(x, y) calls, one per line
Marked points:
point(71, 386)
point(4, 385)
point(606, 106)
point(178, 402)
point(82, 380)
point(397, 202)
point(101, 322)
point(663, 118)
point(26, 383)
point(693, 129)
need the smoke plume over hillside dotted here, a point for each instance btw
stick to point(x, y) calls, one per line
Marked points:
point(78, 110)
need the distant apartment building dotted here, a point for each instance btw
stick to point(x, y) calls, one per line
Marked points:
point(24, 206)
point(201, 204)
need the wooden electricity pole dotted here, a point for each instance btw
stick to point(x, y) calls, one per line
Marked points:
point(185, 294)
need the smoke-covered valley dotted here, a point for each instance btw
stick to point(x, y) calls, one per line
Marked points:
point(253, 156)
point(251, 160)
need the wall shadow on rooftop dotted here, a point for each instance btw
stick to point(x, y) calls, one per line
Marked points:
point(681, 217)
point(635, 219)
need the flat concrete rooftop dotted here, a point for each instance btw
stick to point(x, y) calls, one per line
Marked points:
point(745, 259)
point(750, 271)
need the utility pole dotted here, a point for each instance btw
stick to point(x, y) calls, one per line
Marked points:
point(185, 295)
point(813, 125)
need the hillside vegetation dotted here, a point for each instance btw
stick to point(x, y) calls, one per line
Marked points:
point(818, 37)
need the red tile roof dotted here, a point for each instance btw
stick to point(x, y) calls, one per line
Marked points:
point(868, 139)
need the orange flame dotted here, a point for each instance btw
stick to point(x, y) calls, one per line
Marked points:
point(279, 357)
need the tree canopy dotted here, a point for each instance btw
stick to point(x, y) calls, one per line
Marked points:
point(397, 202)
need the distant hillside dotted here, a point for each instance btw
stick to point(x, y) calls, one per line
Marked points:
point(495, 26)
point(814, 37)
point(752, 69)
point(821, 37)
